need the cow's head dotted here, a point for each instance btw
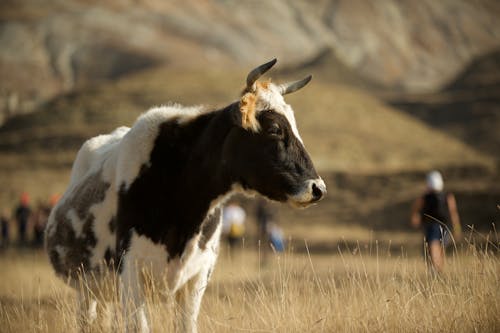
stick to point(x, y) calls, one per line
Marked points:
point(266, 151)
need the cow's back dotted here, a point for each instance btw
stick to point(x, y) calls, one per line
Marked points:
point(81, 227)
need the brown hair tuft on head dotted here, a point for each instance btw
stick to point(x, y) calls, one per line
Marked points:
point(247, 109)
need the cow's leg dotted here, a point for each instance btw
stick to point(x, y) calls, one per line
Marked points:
point(132, 299)
point(189, 301)
point(86, 311)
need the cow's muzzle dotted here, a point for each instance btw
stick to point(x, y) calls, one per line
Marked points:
point(312, 191)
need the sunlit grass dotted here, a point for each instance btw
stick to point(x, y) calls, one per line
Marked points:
point(350, 291)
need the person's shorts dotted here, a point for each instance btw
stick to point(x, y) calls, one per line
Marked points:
point(433, 231)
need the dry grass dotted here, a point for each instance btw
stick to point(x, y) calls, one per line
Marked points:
point(343, 292)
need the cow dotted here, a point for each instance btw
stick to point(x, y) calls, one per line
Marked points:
point(151, 195)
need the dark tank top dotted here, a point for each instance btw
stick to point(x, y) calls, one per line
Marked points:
point(435, 205)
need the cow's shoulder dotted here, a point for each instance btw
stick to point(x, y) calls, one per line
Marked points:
point(136, 146)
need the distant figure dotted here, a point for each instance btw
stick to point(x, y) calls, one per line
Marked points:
point(40, 221)
point(5, 229)
point(269, 233)
point(233, 223)
point(41, 218)
point(264, 216)
point(275, 235)
point(433, 212)
point(22, 216)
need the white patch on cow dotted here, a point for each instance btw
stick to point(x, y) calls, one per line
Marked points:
point(270, 98)
point(61, 252)
point(144, 253)
point(76, 223)
point(103, 213)
point(193, 260)
point(136, 146)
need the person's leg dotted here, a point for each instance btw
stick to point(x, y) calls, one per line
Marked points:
point(437, 255)
point(22, 233)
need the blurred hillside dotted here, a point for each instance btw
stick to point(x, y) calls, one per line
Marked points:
point(468, 108)
point(56, 46)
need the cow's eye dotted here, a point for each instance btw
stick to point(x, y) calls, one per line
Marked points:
point(274, 130)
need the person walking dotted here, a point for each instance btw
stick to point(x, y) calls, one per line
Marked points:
point(22, 216)
point(434, 212)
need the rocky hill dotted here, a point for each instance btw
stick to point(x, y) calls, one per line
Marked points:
point(52, 47)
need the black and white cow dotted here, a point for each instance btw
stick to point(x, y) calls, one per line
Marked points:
point(151, 195)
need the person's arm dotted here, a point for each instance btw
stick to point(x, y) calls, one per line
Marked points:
point(415, 213)
point(455, 218)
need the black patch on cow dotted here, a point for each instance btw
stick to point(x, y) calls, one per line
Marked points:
point(55, 260)
point(68, 251)
point(208, 228)
point(112, 225)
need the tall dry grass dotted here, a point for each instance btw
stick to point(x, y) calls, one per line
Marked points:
point(342, 292)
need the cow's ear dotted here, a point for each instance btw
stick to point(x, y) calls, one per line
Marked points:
point(248, 112)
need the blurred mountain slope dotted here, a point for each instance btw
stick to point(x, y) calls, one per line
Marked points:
point(468, 108)
point(54, 46)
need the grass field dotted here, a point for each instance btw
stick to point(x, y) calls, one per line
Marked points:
point(358, 290)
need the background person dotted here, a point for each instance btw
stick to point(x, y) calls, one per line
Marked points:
point(40, 221)
point(233, 223)
point(264, 215)
point(5, 229)
point(434, 211)
point(22, 216)
point(269, 232)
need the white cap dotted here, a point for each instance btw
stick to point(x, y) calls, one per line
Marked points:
point(435, 181)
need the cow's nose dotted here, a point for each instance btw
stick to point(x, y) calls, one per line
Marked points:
point(318, 190)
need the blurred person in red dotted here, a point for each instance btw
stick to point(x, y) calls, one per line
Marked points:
point(22, 216)
point(41, 218)
point(434, 212)
point(5, 228)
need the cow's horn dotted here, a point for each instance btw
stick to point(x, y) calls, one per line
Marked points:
point(290, 87)
point(257, 72)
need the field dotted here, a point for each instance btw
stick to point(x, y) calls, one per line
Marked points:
point(359, 289)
